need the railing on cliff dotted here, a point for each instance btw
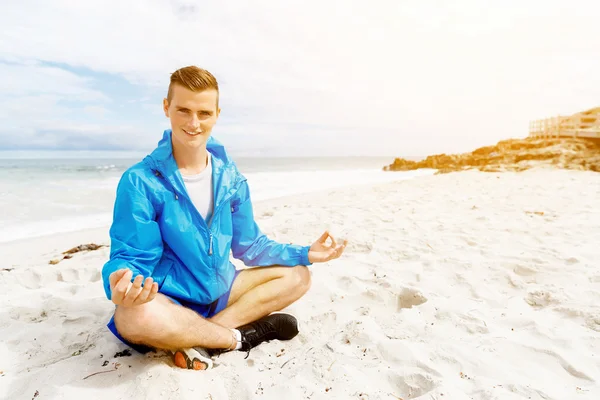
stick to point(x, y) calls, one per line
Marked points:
point(584, 124)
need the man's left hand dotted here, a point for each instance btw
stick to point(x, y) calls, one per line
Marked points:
point(320, 251)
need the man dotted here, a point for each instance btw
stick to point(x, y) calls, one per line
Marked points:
point(178, 214)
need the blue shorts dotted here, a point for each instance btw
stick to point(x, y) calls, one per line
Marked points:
point(205, 310)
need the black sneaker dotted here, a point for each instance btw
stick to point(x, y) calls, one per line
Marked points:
point(275, 326)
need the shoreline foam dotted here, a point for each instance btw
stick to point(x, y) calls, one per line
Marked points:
point(264, 186)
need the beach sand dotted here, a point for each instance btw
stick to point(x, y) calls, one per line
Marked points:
point(466, 285)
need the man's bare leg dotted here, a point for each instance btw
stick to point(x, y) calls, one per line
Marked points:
point(165, 325)
point(255, 293)
point(258, 292)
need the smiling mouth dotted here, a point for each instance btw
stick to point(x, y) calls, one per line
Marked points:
point(192, 134)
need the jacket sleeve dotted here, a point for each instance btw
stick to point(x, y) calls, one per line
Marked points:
point(253, 247)
point(135, 239)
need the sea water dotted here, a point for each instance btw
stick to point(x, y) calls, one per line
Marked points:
point(43, 193)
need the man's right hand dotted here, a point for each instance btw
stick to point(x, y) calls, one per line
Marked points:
point(127, 294)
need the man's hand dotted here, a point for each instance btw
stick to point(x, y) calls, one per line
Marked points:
point(127, 294)
point(320, 251)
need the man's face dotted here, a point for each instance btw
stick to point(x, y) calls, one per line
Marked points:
point(192, 115)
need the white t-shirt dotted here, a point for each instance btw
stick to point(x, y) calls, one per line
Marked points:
point(200, 190)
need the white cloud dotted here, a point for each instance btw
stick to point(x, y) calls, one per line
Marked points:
point(34, 79)
point(96, 111)
point(64, 134)
point(461, 73)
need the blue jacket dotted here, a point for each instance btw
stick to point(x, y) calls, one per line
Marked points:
point(157, 231)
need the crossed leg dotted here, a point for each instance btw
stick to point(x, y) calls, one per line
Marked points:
point(255, 293)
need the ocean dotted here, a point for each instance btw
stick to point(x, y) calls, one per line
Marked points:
point(44, 193)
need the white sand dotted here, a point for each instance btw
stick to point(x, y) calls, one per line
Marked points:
point(451, 288)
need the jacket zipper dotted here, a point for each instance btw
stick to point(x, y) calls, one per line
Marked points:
point(210, 235)
point(218, 208)
point(177, 195)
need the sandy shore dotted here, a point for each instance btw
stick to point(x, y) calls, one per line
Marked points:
point(466, 285)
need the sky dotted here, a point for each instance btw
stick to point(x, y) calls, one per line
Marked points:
point(326, 77)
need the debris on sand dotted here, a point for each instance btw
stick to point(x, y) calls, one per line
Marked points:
point(124, 353)
point(82, 247)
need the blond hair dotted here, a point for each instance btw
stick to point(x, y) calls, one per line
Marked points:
point(193, 78)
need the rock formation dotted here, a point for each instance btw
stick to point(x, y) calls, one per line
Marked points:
point(514, 155)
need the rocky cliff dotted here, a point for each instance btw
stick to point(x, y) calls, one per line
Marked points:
point(514, 155)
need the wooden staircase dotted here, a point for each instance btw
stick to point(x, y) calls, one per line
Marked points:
point(583, 124)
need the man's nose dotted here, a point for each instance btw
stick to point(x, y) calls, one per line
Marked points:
point(194, 122)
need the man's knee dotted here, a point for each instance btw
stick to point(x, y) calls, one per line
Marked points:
point(301, 278)
point(133, 323)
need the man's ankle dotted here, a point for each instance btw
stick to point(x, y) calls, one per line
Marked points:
point(237, 340)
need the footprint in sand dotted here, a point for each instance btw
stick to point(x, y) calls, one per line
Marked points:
point(541, 298)
point(411, 386)
point(469, 241)
point(349, 284)
point(361, 247)
point(68, 275)
point(472, 325)
point(408, 298)
point(96, 276)
point(30, 279)
point(28, 314)
point(593, 322)
point(525, 270)
point(37, 278)
point(267, 214)
point(591, 317)
point(77, 275)
point(325, 320)
point(84, 319)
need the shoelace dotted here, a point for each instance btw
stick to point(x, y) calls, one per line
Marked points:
point(260, 332)
point(221, 351)
point(249, 348)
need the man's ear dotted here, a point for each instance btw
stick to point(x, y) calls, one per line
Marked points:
point(166, 107)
